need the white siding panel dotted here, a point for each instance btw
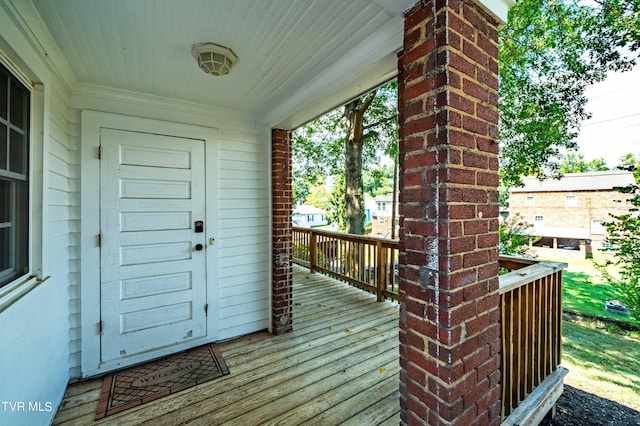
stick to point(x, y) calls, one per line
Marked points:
point(244, 298)
point(243, 236)
point(64, 211)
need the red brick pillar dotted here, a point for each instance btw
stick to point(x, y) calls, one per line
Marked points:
point(281, 231)
point(449, 323)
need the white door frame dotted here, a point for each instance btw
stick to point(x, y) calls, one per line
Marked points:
point(91, 123)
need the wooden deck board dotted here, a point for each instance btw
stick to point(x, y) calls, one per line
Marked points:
point(339, 365)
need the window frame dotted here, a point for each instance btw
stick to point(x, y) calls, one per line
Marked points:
point(15, 171)
point(571, 200)
point(530, 200)
point(536, 220)
point(38, 133)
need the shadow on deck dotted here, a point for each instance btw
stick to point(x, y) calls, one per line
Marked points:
point(339, 366)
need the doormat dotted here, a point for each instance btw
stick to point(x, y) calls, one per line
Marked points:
point(143, 383)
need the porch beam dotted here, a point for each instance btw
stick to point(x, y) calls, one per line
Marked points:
point(449, 321)
point(281, 232)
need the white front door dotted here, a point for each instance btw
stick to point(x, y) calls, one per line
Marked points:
point(152, 255)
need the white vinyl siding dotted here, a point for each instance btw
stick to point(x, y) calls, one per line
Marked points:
point(63, 193)
point(243, 234)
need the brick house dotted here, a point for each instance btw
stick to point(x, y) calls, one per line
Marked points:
point(567, 214)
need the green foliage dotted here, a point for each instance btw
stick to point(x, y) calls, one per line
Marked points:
point(550, 51)
point(378, 180)
point(623, 234)
point(514, 236)
point(575, 163)
point(631, 162)
point(318, 196)
point(319, 146)
point(335, 208)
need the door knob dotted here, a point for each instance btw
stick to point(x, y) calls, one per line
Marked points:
point(199, 247)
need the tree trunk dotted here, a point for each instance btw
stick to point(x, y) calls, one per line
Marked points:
point(354, 116)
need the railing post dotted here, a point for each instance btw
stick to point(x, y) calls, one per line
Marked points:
point(312, 251)
point(380, 282)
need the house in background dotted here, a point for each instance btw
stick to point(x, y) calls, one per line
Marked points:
point(310, 215)
point(567, 214)
point(381, 217)
point(146, 205)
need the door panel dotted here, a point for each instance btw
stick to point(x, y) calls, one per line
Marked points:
point(153, 280)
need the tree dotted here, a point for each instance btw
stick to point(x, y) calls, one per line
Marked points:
point(632, 163)
point(623, 237)
point(514, 236)
point(318, 196)
point(378, 180)
point(345, 141)
point(335, 208)
point(575, 163)
point(550, 51)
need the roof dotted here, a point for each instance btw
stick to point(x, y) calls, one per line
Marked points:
point(383, 198)
point(308, 209)
point(595, 181)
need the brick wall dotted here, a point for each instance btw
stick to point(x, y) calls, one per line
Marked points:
point(449, 324)
point(590, 205)
point(281, 231)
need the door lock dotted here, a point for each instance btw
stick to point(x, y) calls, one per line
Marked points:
point(199, 225)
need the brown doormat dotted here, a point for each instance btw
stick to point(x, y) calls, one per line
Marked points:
point(143, 383)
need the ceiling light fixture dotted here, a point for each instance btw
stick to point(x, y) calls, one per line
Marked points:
point(213, 58)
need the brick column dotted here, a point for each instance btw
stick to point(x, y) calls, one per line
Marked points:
point(281, 231)
point(449, 323)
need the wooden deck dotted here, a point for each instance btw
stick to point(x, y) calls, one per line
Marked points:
point(338, 366)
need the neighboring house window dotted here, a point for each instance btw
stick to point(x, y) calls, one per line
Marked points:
point(530, 201)
point(382, 206)
point(309, 218)
point(14, 177)
point(381, 221)
point(570, 201)
point(606, 245)
point(322, 218)
point(597, 226)
point(538, 219)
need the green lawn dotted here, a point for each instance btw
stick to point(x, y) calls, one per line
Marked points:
point(584, 291)
point(601, 362)
point(602, 359)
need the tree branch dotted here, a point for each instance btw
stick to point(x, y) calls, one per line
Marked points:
point(377, 123)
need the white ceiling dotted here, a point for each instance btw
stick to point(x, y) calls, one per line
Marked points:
point(297, 58)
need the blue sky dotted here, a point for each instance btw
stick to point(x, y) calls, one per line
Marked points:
point(614, 128)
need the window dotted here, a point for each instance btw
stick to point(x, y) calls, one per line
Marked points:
point(597, 226)
point(14, 177)
point(309, 218)
point(570, 201)
point(382, 206)
point(538, 219)
point(530, 201)
point(381, 220)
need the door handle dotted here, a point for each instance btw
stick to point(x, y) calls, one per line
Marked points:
point(199, 247)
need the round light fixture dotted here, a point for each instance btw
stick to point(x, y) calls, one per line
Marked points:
point(213, 58)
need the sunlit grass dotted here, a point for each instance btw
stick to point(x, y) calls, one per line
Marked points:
point(603, 363)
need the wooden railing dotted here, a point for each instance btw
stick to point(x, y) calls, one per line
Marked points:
point(370, 264)
point(530, 304)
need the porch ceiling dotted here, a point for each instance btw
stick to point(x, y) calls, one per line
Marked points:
point(297, 59)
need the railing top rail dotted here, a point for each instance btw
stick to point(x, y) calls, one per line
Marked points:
point(528, 274)
point(350, 237)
